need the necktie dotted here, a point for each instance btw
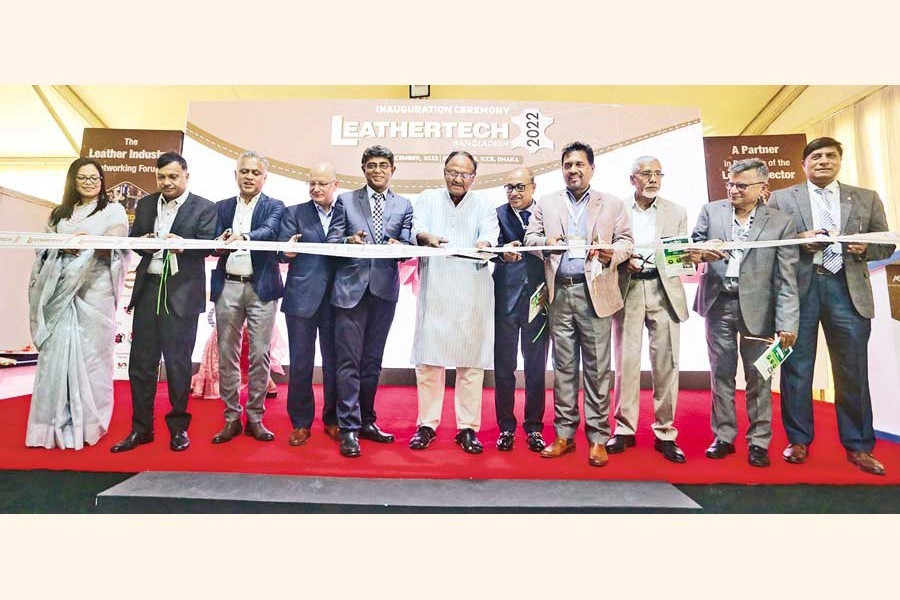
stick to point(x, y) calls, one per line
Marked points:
point(831, 256)
point(525, 214)
point(378, 217)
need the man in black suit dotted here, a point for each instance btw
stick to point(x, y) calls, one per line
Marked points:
point(169, 295)
point(516, 278)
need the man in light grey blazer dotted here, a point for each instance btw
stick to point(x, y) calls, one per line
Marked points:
point(834, 285)
point(751, 295)
point(654, 299)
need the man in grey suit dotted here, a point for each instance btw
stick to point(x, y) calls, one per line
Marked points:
point(833, 281)
point(365, 294)
point(750, 296)
point(654, 299)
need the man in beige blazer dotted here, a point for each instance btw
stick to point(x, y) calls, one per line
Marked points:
point(656, 300)
point(584, 294)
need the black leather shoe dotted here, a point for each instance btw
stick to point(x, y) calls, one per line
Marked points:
point(133, 440)
point(757, 456)
point(719, 449)
point(669, 449)
point(468, 441)
point(505, 441)
point(231, 430)
point(618, 443)
point(350, 444)
point(536, 441)
point(371, 432)
point(422, 438)
point(179, 442)
point(259, 432)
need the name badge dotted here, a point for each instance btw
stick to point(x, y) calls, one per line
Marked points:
point(576, 246)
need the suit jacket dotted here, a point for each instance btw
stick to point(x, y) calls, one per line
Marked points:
point(514, 280)
point(309, 276)
point(354, 275)
point(767, 288)
point(671, 220)
point(265, 225)
point(608, 219)
point(196, 219)
point(861, 212)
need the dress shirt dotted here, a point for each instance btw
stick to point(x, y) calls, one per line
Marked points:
point(817, 208)
point(165, 216)
point(739, 233)
point(644, 230)
point(568, 266)
point(325, 217)
point(238, 262)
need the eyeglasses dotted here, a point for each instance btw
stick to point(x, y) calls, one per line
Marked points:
point(648, 174)
point(454, 174)
point(86, 178)
point(518, 187)
point(378, 167)
point(741, 187)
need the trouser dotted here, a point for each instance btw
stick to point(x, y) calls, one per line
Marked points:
point(430, 382)
point(237, 303)
point(302, 347)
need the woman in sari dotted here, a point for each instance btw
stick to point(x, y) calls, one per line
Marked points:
point(73, 296)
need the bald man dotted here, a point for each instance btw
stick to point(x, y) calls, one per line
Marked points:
point(307, 307)
point(517, 275)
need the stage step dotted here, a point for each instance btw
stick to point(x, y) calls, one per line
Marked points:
point(186, 492)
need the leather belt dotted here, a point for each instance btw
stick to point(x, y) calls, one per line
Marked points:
point(570, 280)
point(820, 270)
point(240, 278)
point(648, 274)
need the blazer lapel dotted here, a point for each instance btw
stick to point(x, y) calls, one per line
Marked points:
point(662, 217)
point(563, 213)
point(846, 207)
point(726, 218)
point(593, 217)
point(181, 215)
point(257, 211)
point(759, 222)
point(362, 200)
point(801, 196)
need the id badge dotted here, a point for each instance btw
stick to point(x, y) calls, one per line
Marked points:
point(576, 246)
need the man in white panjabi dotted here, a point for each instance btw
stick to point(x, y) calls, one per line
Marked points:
point(455, 312)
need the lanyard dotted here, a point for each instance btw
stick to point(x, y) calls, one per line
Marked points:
point(577, 216)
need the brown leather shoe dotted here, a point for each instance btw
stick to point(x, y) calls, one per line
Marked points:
point(559, 447)
point(866, 462)
point(597, 456)
point(795, 453)
point(258, 431)
point(334, 432)
point(299, 436)
point(229, 432)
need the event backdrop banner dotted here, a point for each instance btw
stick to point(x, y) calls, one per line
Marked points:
point(128, 157)
point(781, 152)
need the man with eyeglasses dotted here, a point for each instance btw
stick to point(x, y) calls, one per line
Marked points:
point(365, 293)
point(836, 291)
point(655, 300)
point(517, 277)
point(454, 315)
point(307, 308)
point(746, 296)
point(245, 288)
point(584, 294)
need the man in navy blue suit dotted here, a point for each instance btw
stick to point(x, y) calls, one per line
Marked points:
point(365, 295)
point(245, 287)
point(306, 305)
point(517, 276)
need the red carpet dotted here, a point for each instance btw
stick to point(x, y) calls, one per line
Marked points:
point(397, 414)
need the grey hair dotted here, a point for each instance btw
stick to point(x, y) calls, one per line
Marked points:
point(254, 154)
point(641, 160)
point(739, 166)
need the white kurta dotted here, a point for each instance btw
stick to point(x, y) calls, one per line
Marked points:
point(455, 312)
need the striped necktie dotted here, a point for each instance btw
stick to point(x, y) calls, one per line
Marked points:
point(378, 217)
point(831, 256)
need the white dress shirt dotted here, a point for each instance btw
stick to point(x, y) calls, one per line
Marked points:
point(644, 230)
point(165, 216)
point(238, 262)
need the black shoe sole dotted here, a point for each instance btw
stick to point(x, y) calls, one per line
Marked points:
point(377, 440)
point(620, 448)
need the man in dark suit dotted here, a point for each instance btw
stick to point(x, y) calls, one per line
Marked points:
point(835, 290)
point(750, 296)
point(365, 295)
point(169, 295)
point(245, 287)
point(517, 276)
point(307, 308)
